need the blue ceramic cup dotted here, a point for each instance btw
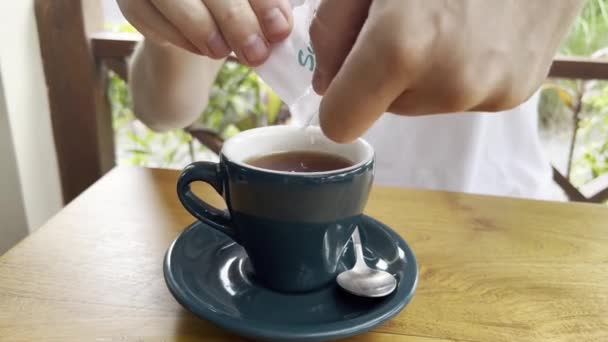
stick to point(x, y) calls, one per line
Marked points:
point(294, 226)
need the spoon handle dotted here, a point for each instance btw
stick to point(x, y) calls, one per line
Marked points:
point(360, 259)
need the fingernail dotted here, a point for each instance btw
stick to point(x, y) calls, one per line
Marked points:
point(275, 22)
point(255, 49)
point(217, 45)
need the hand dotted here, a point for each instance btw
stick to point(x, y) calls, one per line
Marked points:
point(213, 28)
point(416, 57)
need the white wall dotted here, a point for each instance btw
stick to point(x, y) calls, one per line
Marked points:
point(13, 225)
point(111, 12)
point(28, 112)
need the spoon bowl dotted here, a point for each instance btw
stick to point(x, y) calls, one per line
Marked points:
point(363, 280)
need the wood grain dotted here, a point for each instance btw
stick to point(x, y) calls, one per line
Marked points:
point(492, 269)
point(114, 44)
point(579, 68)
point(80, 115)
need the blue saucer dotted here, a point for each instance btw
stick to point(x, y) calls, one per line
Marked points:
point(209, 274)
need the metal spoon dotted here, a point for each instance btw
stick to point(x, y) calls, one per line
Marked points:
point(364, 281)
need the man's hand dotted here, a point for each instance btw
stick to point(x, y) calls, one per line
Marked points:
point(213, 28)
point(416, 57)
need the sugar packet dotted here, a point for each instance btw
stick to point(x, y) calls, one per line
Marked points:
point(289, 69)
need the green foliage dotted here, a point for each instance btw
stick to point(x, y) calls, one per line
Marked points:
point(589, 31)
point(588, 36)
point(584, 103)
point(238, 101)
point(592, 160)
point(138, 145)
point(122, 27)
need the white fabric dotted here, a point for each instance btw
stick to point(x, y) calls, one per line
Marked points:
point(484, 153)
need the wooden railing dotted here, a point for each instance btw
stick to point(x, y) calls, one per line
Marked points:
point(579, 68)
point(77, 54)
point(108, 46)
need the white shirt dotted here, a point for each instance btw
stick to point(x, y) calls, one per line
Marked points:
point(484, 153)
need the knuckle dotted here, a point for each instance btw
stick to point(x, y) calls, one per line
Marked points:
point(397, 53)
point(463, 92)
point(442, 90)
point(458, 101)
point(233, 13)
point(262, 5)
point(237, 22)
point(200, 38)
point(509, 102)
point(513, 93)
point(402, 56)
point(502, 101)
point(507, 94)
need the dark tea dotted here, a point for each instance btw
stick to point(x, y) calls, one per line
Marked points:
point(300, 161)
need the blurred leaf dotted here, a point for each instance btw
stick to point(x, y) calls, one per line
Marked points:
point(588, 36)
point(230, 131)
point(238, 100)
point(139, 159)
point(170, 156)
point(137, 151)
point(142, 142)
point(246, 123)
point(602, 6)
point(273, 106)
point(564, 94)
point(122, 27)
point(184, 137)
point(588, 33)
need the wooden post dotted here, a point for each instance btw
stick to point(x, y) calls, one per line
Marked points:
point(76, 82)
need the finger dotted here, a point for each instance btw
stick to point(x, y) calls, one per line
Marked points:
point(239, 26)
point(364, 87)
point(195, 22)
point(333, 32)
point(153, 25)
point(275, 18)
point(503, 95)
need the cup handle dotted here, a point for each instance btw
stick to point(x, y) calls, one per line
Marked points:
point(211, 174)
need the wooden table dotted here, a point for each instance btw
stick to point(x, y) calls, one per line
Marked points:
point(491, 269)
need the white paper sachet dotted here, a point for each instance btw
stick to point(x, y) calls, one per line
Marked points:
point(289, 69)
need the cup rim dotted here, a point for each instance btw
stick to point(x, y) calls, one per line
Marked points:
point(250, 132)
